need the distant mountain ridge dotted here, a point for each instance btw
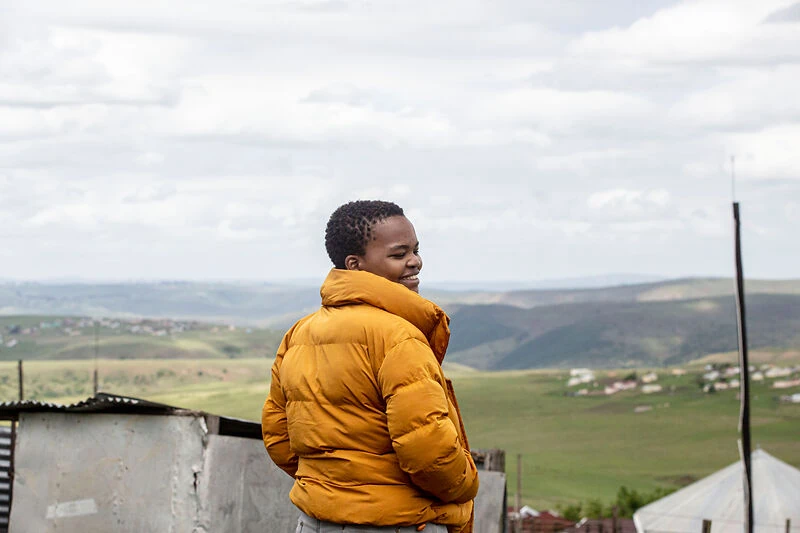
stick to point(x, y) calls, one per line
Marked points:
point(586, 282)
point(668, 290)
point(677, 289)
point(244, 303)
point(654, 323)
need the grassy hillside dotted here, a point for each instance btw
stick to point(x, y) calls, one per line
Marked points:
point(42, 337)
point(618, 334)
point(574, 447)
point(587, 447)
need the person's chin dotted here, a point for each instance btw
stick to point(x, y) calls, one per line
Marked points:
point(410, 283)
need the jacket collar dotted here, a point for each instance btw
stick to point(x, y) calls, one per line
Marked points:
point(347, 287)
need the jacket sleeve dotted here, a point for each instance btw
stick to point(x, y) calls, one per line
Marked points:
point(423, 436)
point(274, 429)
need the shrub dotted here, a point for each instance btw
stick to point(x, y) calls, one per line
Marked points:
point(571, 512)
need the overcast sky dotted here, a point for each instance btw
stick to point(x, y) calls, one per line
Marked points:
point(526, 140)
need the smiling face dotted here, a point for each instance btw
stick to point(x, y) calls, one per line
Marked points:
point(392, 252)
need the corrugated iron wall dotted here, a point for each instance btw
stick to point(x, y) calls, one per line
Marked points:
point(6, 473)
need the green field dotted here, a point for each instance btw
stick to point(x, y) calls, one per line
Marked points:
point(573, 448)
point(65, 338)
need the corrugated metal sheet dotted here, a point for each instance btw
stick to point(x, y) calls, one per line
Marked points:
point(6, 473)
point(105, 472)
point(102, 403)
point(116, 404)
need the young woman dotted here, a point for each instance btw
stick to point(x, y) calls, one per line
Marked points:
point(359, 411)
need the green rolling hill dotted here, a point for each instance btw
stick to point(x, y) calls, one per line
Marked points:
point(618, 334)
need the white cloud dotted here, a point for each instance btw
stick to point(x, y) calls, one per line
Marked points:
point(150, 159)
point(698, 31)
point(194, 139)
point(626, 201)
point(87, 67)
point(767, 154)
point(792, 211)
point(748, 99)
point(566, 111)
point(581, 162)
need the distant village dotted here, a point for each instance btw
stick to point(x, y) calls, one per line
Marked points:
point(716, 377)
point(12, 334)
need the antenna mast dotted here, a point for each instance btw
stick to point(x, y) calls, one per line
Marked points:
point(744, 387)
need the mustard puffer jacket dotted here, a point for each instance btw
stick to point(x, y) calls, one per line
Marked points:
point(361, 415)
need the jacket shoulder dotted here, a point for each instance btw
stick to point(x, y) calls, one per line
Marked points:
point(376, 330)
point(392, 328)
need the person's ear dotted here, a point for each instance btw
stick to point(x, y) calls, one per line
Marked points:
point(352, 262)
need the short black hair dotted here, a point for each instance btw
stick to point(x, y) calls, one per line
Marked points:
point(350, 227)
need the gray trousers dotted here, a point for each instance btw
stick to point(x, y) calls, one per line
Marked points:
point(306, 524)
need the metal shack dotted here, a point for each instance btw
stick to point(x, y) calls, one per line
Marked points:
point(118, 464)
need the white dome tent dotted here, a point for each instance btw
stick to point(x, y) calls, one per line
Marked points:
point(719, 498)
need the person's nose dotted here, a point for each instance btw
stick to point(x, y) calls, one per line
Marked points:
point(415, 261)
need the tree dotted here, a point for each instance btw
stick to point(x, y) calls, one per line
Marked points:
point(571, 512)
point(595, 509)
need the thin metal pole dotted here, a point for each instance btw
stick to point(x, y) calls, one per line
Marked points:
point(519, 481)
point(96, 349)
point(744, 387)
point(19, 377)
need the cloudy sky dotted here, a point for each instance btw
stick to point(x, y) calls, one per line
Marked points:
point(526, 140)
